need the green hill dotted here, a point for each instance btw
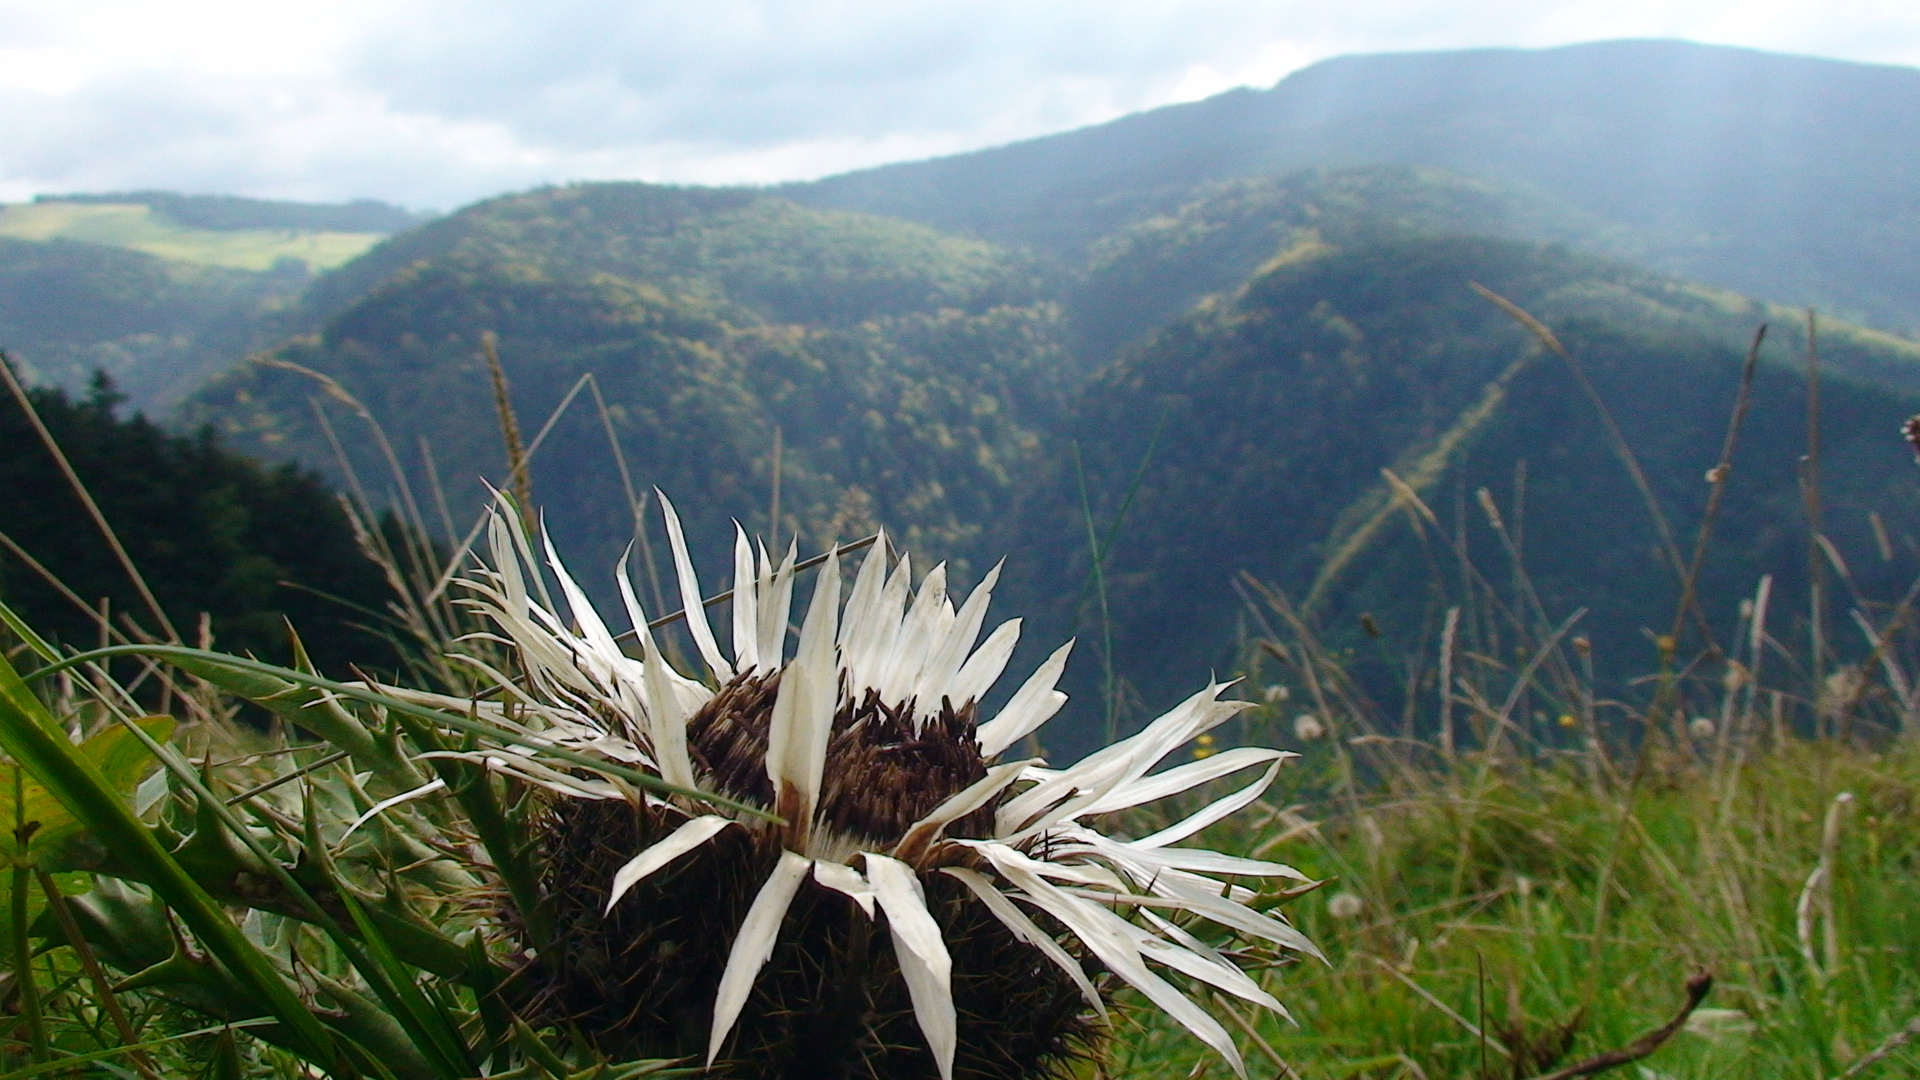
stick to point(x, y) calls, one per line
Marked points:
point(1779, 176)
point(1290, 337)
point(783, 261)
point(906, 373)
point(1278, 405)
point(158, 327)
point(1144, 275)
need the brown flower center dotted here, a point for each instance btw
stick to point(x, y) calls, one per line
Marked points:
point(886, 767)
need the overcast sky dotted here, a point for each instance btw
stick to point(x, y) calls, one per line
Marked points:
point(432, 103)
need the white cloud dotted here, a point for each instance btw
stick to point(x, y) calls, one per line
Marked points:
point(433, 102)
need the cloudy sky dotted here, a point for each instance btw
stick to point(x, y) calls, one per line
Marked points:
point(432, 103)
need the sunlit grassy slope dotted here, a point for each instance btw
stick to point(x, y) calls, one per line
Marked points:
point(137, 227)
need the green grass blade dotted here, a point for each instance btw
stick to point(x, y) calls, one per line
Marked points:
point(23, 953)
point(34, 739)
point(26, 633)
point(1107, 704)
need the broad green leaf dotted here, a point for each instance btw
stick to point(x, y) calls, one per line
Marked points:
point(122, 762)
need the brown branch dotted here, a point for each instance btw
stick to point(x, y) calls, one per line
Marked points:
point(1697, 989)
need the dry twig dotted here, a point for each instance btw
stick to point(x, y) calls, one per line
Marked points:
point(1697, 989)
point(1879, 1053)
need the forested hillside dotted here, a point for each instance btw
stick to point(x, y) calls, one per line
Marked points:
point(895, 374)
point(251, 547)
point(158, 327)
point(1141, 276)
point(1257, 426)
point(1275, 342)
point(159, 290)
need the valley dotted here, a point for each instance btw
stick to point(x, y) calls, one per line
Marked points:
point(1145, 362)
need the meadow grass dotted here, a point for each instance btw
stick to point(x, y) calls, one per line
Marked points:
point(1558, 907)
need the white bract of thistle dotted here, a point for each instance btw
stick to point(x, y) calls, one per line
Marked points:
point(583, 692)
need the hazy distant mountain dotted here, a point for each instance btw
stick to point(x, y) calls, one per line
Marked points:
point(160, 290)
point(157, 327)
point(1780, 176)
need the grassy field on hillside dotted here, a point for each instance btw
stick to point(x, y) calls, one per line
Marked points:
point(139, 228)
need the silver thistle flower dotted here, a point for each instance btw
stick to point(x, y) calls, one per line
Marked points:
point(873, 682)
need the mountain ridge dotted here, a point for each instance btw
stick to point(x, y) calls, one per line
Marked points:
point(1725, 160)
point(894, 373)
